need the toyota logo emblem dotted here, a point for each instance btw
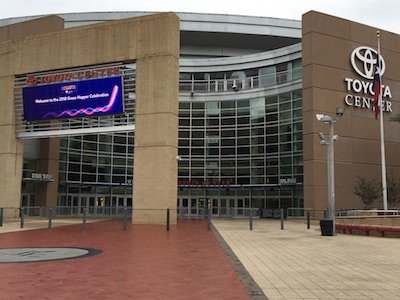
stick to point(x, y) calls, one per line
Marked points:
point(363, 60)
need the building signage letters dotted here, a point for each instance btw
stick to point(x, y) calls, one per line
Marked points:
point(72, 76)
point(360, 92)
point(41, 177)
point(203, 183)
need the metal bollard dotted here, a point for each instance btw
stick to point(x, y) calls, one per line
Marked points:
point(1, 216)
point(308, 219)
point(251, 219)
point(22, 217)
point(50, 217)
point(168, 219)
point(282, 217)
point(84, 219)
point(125, 218)
point(209, 216)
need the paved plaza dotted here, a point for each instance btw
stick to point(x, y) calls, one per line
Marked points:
point(299, 263)
point(191, 262)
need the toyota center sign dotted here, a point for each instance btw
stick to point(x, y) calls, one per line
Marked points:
point(360, 91)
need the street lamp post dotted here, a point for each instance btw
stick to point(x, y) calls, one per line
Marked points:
point(330, 161)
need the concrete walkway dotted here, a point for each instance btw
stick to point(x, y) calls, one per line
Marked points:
point(299, 263)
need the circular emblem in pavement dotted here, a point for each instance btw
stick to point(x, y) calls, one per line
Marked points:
point(28, 255)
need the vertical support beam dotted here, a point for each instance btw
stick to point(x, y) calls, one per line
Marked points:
point(11, 150)
point(48, 164)
point(156, 132)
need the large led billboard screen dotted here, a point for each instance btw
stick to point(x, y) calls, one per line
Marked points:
point(73, 99)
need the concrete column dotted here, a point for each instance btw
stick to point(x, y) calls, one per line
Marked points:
point(48, 164)
point(156, 140)
point(11, 150)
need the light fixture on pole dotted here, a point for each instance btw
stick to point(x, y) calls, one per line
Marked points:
point(331, 171)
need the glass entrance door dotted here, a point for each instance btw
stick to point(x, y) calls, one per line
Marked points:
point(192, 207)
point(83, 204)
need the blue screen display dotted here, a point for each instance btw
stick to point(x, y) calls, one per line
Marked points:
point(73, 99)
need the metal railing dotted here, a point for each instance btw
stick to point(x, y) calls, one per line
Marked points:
point(14, 213)
point(235, 84)
point(219, 212)
point(300, 213)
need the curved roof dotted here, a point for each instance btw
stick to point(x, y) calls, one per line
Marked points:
point(206, 34)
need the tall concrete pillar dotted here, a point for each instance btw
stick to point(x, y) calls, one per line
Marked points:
point(48, 164)
point(11, 150)
point(156, 141)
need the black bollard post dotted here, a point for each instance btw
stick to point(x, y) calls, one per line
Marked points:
point(22, 217)
point(251, 219)
point(168, 219)
point(209, 215)
point(125, 218)
point(1, 216)
point(50, 217)
point(282, 217)
point(308, 219)
point(84, 219)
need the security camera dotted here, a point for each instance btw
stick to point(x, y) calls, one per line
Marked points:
point(234, 86)
point(335, 137)
point(178, 157)
point(339, 112)
point(321, 136)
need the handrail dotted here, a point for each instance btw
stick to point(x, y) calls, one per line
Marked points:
point(236, 84)
point(294, 212)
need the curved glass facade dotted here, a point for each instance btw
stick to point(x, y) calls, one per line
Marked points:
point(240, 131)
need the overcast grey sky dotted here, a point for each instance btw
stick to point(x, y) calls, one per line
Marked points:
point(382, 14)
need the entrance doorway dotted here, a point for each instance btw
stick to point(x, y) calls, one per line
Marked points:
point(191, 207)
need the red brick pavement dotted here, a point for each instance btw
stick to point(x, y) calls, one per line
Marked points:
point(143, 262)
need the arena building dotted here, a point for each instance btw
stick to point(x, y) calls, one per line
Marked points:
point(248, 137)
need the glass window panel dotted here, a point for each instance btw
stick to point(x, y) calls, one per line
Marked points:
point(228, 142)
point(271, 148)
point(257, 140)
point(243, 180)
point(257, 108)
point(182, 143)
point(257, 131)
point(212, 151)
point(243, 120)
point(197, 163)
point(228, 163)
point(183, 151)
point(228, 108)
point(243, 141)
point(243, 132)
point(243, 103)
point(267, 76)
point(243, 162)
point(212, 108)
point(197, 151)
point(213, 122)
point(198, 134)
point(198, 105)
point(228, 121)
point(197, 143)
point(228, 151)
point(272, 100)
point(184, 122)
point(227, 133)
point(243, 172)
point(243, 150)
point(225, 172)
